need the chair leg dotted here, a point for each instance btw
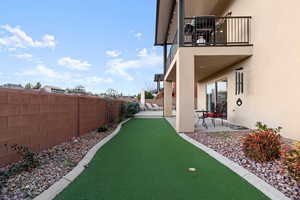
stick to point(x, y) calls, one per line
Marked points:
point(204, 123)
point(213, 122)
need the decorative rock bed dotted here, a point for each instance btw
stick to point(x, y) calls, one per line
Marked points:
point(230, 146)
point(54, 164)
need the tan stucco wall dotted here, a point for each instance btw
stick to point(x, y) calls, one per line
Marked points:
point(272, 83)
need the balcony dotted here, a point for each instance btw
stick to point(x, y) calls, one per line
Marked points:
point(212, 31)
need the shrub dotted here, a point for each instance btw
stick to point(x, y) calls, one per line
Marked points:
point(148, 95)
point(3, 179)
point(263, 145)
point(129, 109)
point(102, 129)
point(29, 160)
point(291, 161)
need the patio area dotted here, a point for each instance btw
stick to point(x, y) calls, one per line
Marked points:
point(217, 127)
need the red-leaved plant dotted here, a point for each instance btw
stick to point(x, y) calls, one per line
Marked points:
point(263, 144)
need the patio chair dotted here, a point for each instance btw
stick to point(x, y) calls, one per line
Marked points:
point(212, 116)
point(149, 106)
point(157, 107)
point(201, 116)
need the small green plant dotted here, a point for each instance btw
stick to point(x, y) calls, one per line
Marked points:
point(68, 163)
point(102, 129)
point(129, 109)
point(263, 127)
point(263, 144)
point(3, 179)
point(29, 160)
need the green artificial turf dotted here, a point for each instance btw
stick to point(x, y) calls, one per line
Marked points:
point(148, 160)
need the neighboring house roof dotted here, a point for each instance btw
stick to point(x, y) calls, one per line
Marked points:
point(49, 88)
point(12, 85)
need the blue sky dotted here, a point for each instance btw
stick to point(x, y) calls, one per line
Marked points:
point(95, 43)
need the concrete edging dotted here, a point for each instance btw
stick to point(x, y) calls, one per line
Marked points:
point(60, 185)
point(254, 180)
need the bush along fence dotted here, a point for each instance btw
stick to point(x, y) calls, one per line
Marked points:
point(41, 120)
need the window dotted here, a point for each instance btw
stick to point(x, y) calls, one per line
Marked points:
point(216, 97)
point(211, 97)
point(239, 82)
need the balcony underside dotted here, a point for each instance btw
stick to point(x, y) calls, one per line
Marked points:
point(209, 60)
point(166, 19)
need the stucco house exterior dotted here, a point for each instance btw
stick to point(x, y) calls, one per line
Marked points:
point(242, 56)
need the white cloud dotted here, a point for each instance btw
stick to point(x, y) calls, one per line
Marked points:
point(40, 70)
point(52, 75)
point(143, 52)
point(144, 58)
point(17, 38)
point(11, 49)
point(73, 63)
point(138, 35)
point(113, 53)
point(25, 56)
point(93, 79)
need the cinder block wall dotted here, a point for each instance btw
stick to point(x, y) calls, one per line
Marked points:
point(40, 120)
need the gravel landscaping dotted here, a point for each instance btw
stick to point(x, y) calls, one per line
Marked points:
point(230, 146)
point(55, 163)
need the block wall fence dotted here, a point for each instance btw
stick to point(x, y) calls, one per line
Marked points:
point(41, 120)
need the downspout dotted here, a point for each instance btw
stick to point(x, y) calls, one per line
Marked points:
point(181, 15)
point(165, 70)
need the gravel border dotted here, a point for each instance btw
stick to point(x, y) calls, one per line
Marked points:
point(251, 178)
point(254, 180)
point(60, 185)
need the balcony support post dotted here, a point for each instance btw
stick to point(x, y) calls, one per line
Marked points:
point(201, 96)
point(168, 99)
point(181, 15)
point(165, 58)
point(185, 92)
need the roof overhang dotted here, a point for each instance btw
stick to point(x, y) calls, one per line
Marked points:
point(164, 11)
point(166, 15)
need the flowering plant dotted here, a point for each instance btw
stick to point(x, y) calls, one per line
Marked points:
point(291, 160)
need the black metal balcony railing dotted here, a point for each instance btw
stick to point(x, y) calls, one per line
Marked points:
point(211, 30)
point(172, 51)
point(206, 31)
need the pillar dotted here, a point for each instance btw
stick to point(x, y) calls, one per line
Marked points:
point(168, 99)
point(185, 88)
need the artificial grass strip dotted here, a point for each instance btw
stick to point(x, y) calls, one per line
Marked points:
point(147, 160)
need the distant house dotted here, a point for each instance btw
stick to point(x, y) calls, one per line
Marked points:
point(12, 86)
point(52, 89)
point(127, 98)
point(79, 90)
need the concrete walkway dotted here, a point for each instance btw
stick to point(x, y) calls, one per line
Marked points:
point(151, 114)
